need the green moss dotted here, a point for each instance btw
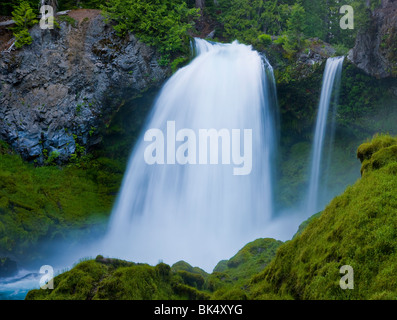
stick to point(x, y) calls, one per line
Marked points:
point(49, 202)
point(305, 223)
point(357, 228)
point(235, 273)
point(113, 279)
point(184, 266)
point(366, 150)
point(381, 151)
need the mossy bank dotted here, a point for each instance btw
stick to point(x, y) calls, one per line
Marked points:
point(358, 228)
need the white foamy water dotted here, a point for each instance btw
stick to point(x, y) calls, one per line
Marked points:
point(331, 77)
point(201, 213)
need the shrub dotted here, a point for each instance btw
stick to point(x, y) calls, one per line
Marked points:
point(160, 23)
point(24, 18)
point(265, 39)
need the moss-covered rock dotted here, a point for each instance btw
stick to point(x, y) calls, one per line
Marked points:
point(234, 273)
point(357, 228)
point(381, 151)
point(113, 279)
point(184, 266)
point(39, 204)
point(305, 223)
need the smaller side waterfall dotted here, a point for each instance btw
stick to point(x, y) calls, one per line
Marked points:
point(331, 82)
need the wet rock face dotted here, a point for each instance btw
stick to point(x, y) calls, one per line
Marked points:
point(376, 49)
point(63, 88)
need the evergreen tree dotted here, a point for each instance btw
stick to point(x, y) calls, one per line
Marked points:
point(24, 18)
point(296, 24)
point(161, 23)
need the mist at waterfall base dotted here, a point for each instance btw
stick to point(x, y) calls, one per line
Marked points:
point(203, 213)
point(200, 213)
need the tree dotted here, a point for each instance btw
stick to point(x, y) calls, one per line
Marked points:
point(24, 18)
point(160, 23)
point(296, 24)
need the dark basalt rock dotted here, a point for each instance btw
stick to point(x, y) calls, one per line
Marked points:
point(65, 86)
point(375, 50)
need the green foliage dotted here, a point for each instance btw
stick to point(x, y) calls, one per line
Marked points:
point(76, 4)
point(51, 159)
point(192, 279)
point(49, 202)
point(341, 50)
point(68, 20)
point(7, 7)
point(24, 18)
point(296, 24)
point(4, 147)
point(265, 39)
point(241, 19)
point(178, 62)
point(184, 266)
point(160, 23)
point(323, 17)
point(22, 38)
point(357, 228)
point(246, 20)
point(377, 153)
point(359, 93)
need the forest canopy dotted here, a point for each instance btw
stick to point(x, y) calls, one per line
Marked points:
point(167, 24)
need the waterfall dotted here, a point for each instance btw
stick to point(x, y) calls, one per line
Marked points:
point(195, 199)
point(331, 82)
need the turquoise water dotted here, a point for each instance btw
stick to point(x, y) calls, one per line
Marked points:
point(16, 288)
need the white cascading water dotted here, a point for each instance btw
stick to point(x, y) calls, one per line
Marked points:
point(196, 212)
point(331, 81)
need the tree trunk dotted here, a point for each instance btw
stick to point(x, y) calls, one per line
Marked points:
point(200, 4)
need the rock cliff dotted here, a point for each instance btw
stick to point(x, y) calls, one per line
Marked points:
point(376, 49)
point(57, 92)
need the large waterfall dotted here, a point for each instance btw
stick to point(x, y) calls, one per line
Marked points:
point(330, 86)
point(199, 181)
